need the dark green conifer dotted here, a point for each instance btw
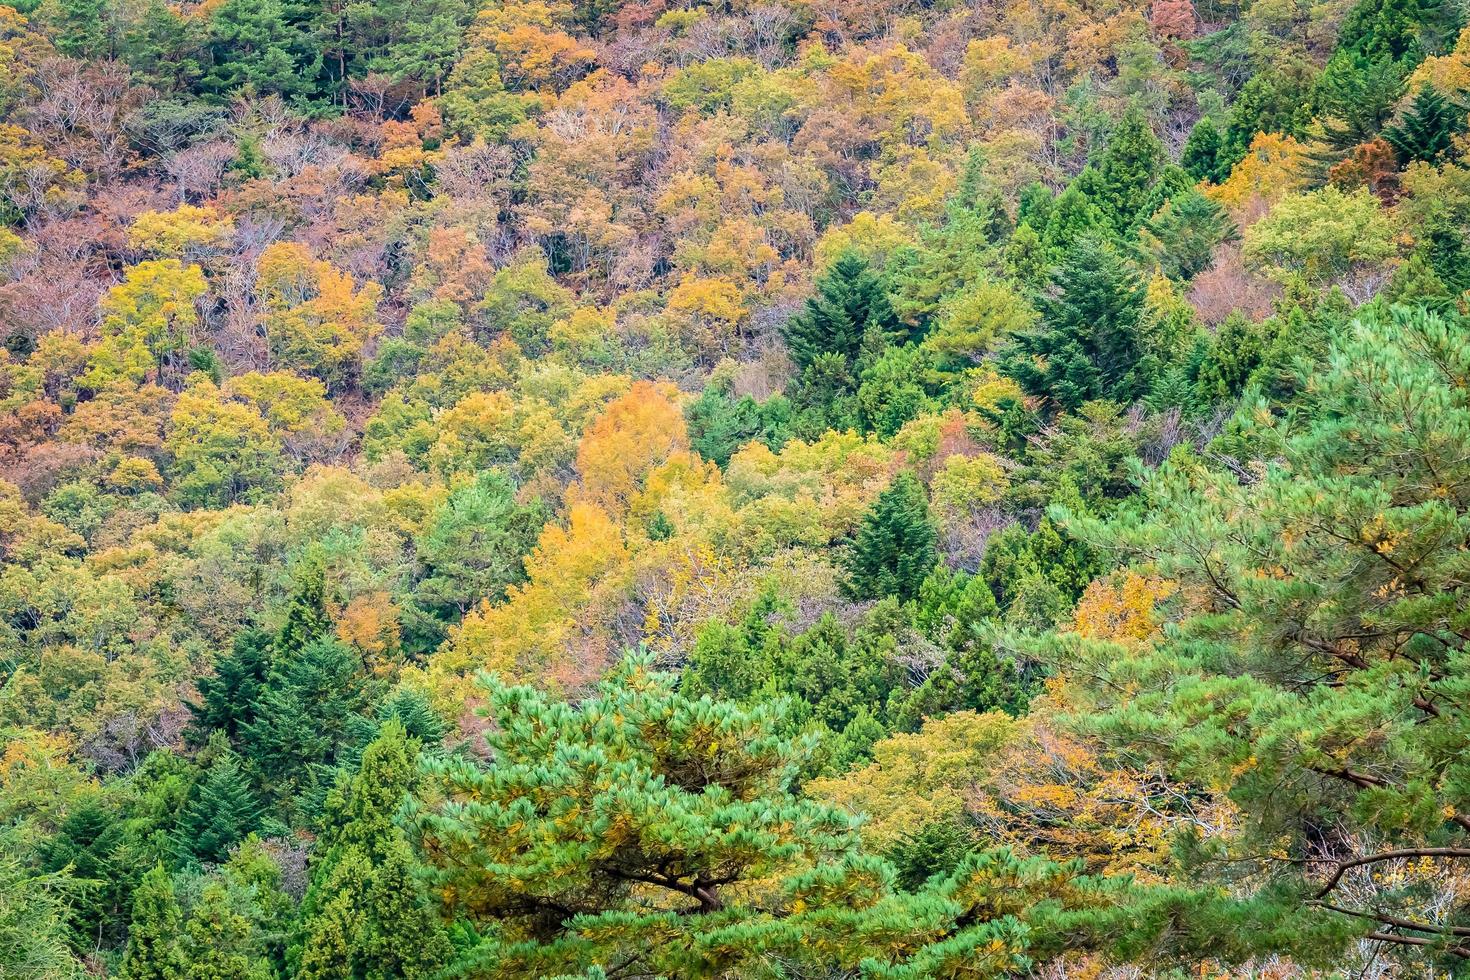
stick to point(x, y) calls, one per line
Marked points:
point(1428, 128)
point(849, 312)
point(895, 546)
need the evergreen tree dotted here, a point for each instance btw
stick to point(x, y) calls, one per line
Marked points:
point(895, 546)
point(365, 913)
point(1088, 347)
point(700, 860)
point(227, 700)
point(1074, 219)
point(220, 943)
point(1326, 698)
point(1201, 154)
point(155, 950)
point(1183, 235)
point(1401, 30)
point(1119, 180)
point(223, 809)
point(1355, 97)
point(474, 546)
point(1428, 128)
point(304, 718)
point(850, 313)
point(307, 619)
point(263, 46)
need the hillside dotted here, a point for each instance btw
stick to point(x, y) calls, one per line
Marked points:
point(786, 489)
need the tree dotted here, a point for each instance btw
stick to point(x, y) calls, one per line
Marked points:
point(1201, 154)
point(220, 942)
point(1428, 128)
point(850, 313)
point(260, 45)
point(34, 938)
point(227, 699)
point(1183, 235)
point(154, 950)
point(1088, 345)
point(147, 321)
point(366, 913)
point(223, 809)
point(317, 317)
point(222, 450)
point(1315, 679)
point(1120, 179)
point(303, 718)
point(700, 862)
point(474, 545)
point(1322, 235)
point(895, 546)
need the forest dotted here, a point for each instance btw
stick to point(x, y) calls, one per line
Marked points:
point(734, 489)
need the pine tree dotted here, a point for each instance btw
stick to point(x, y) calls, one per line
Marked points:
point(1089, 345)
point(154, 950)
point(849, 313)
point(223, 810)
point(700, 861)
point(265, 46)
point(1329, 692)
point(895, 546)
point(1428, 129)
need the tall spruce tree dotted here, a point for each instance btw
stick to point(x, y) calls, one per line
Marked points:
point(227, 700)
point(1088, 347)
point(1120, 178)
point(850, 312)
point(895, 546)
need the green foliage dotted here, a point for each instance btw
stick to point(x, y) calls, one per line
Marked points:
point(894, 550)
point(154, 949)
point(34, 938)
point(1088, 346)
point(1360, 522)
point(222, 810)
point(1182, 235)
point(1428, 128)
point(849, 314)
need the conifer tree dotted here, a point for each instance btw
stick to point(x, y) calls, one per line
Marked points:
point(1201, 154)
point(1119, 180)
point(1428, 128)
point(895, 546)
point(1088, 347)
point(304, 717)
point(366, 913)
point(307, 619)
point(220, 942)
point(850, 312)
point(223, 810)
point(227, 699)
point(646, 829)
point(1184, 234)
point(1326, 697)
point(154, 950)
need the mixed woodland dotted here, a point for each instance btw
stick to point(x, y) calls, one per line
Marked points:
point(620, 489)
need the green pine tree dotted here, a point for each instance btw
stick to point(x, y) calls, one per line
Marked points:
point(1201, 154)
point(895, 546)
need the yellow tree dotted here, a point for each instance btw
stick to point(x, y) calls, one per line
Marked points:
point(316, 316)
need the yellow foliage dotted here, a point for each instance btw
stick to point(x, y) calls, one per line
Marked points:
point(1122, 607)
point(186, 229)
point(634, 434)
point(1271, 169)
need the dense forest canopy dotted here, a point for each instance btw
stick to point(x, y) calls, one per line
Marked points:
point(751, 489)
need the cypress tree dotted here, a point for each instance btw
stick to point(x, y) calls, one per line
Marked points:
point(366, 913)
point(1120, 179)
point(154, 950)
point(895, 546)
point(221, 943)
point(849, 312)
point(1201, 154)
